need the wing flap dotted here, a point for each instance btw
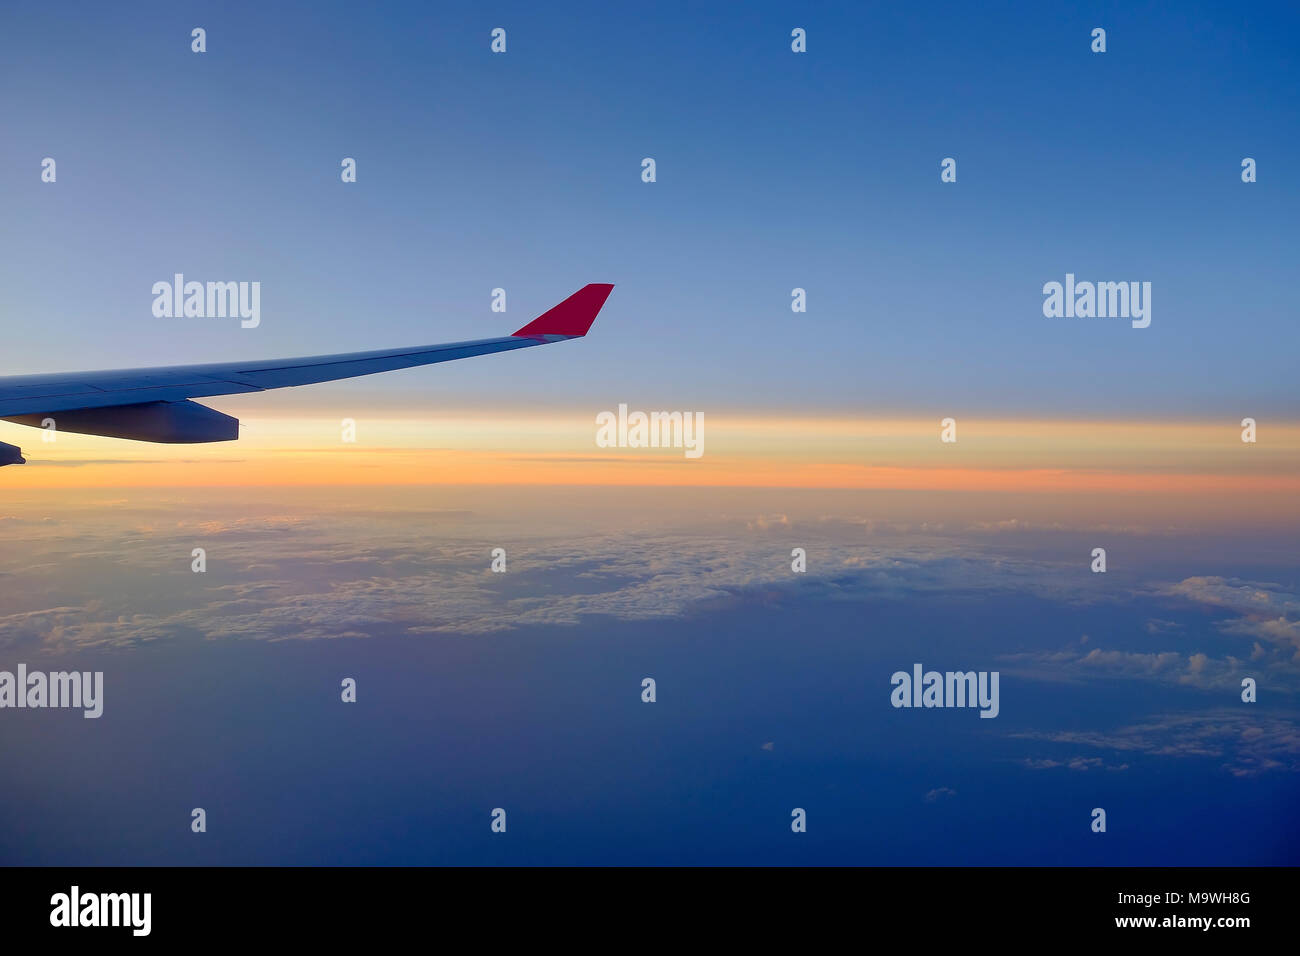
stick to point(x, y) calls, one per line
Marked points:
point(167, 422)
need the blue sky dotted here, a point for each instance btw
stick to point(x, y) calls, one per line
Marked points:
point(775, 170)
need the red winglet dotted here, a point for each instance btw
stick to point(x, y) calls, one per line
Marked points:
point(573, 316)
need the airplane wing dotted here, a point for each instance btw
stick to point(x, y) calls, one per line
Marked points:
point(153, 404)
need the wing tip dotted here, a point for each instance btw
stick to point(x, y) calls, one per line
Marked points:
point(573, 317)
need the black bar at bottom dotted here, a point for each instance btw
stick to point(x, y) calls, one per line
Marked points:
point(335, 905)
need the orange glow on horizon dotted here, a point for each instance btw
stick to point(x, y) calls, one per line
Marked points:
point(1181, 460)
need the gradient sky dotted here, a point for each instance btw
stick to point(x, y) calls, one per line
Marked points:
point(774, 171)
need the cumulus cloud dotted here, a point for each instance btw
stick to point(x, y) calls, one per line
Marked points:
point(1243, 742)
point(280, 576)
point(768, 522)
point(1265, 610)
point(1071, 763)
point(1072, 664)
